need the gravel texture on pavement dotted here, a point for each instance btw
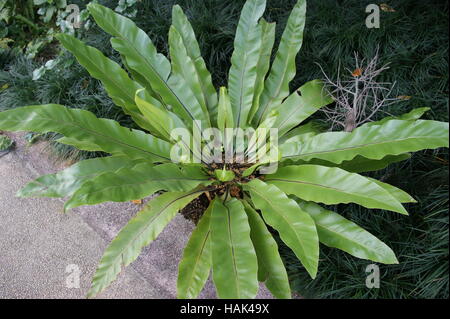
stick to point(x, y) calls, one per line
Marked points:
point(39, 244)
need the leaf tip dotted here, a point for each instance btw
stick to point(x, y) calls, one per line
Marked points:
point(91, 293)
point(93, 6)
point(392, 260)
point(177, 9)
point(20, 193)
point(67, 206)
point(313, 274)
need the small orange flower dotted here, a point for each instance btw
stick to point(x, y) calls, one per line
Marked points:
point(357, 72)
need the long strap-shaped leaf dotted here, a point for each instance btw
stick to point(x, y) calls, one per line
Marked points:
point(183, 69)
point(82, 145)
point(234, 262)
point(163, 120)
point(181, 23)
point(297, 108)
point(359, 164)
point(195, 266)
point(134, 44)
point(140, 231)
point(300, 133)
point(267, 42)
point(394, 137)
point(66, 182)
point(142, 57)
point(244, 61)
point(283, 69)
point(337, 232)
point(225, 117)
point(119, 87)
point(332, 185)
point(81, 125)
point(296, 228)
point(397, 193)
point(412, 115)
point(135, 183)
point(271, 269)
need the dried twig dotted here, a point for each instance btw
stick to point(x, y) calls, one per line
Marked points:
point(358, 96)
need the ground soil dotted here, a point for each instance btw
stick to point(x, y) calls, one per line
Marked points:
point(195, 209)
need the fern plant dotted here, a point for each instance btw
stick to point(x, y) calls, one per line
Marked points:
point(232, 239)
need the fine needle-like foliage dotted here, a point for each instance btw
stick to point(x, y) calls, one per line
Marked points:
point(250, 193)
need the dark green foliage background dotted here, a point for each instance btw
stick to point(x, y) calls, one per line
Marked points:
point(413, 39)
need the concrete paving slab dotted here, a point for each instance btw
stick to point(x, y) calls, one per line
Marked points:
point(38, 241)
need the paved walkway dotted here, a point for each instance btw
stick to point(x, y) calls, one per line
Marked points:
point(38, 242)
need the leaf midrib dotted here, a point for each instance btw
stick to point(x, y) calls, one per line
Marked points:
point(145, 227)
point(287, 222)
point(99, 70)
point(360, 146)
point(280, 84)
point(241, 78)
point(342, 236)
point(119, 35)
point(197, 260)
point(318, 224)
point(142, 183)
point(322, 186)
point(96, 133)
point(233, 256)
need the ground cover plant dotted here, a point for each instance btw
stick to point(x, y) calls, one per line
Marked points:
point(5, 143)
point(232, 237)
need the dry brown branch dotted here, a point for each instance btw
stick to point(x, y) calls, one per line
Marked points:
point(358, 95)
